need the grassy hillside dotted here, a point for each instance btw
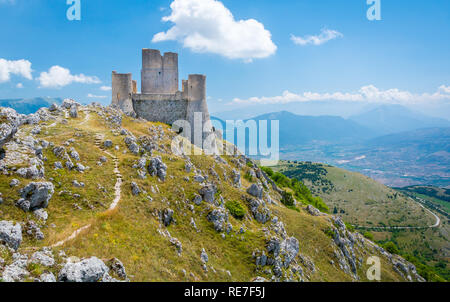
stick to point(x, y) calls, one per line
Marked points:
point(136, 231)
point(390, 215)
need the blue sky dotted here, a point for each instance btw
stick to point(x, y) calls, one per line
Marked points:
point(404, 58)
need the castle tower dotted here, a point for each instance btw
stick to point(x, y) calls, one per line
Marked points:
point(122, 89)
point(159, 74)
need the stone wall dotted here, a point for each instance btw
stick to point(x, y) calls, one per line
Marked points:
point(164, 108)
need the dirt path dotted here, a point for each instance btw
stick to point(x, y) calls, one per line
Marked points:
point(117, 191)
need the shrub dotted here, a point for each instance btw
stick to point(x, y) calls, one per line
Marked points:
point(349, 227)
point(236, 209)
point(391, 247)
point(329, 232)
point(368, 235)
point(288, 199)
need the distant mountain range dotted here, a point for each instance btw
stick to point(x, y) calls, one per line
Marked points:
point(389, 119)
point(301, 130)
point(27, 106)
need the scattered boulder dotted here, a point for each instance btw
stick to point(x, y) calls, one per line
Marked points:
point(10, 234)
point(73, 112)
point(16, 271)
point(43, 258)
point(167, 217)
point(135, 190)
point(204, 256)
point(68, 103)
point(313, 211)
point(259, 211)
point(10, 121)
point(236, 179)
point(208, 193)
point(87, 270)
point(255, 190)
point(53, 107)
point(107, 144)
point(117, 267)
point(60, 152)
point(219, 218)
point(80, 168)
point(74, 154)
point(38, 194)
point(33, 230)
point(47, 277)
point(58, 165)
point(41, 215)
point(14, 183)
point(157, 168)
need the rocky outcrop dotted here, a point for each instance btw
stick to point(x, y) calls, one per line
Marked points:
point(256, 191)
point(208, 193)
point(10, 120)
point(88, 270)
point(10, 234)
point(156, 167)
point(37, 195)
point(219, 218)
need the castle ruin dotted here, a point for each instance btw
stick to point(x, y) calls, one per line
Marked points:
point(160, 99)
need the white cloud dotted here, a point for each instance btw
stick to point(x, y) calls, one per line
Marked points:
point(207, 26)
point(105, 88)
point(370, 94)
point(93, 96)
point(324, 36)
point(19, 67)
point(58, 77)
point(19, 85)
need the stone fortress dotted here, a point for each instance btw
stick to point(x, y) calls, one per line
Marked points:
point(160, 99)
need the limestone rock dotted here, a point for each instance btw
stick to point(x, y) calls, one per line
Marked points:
point(204, 256)
point(43, 258)
point(219, 218)
point(38, 194)
point(313, 211)
point(47, 277)
point(208, 193)
point(135, 190)
point(10, 234)
point(107, 144)
point(167, 217)
point(87, 270)
point(157, 168)
point(73, 112)
point(255, 190)
point(117, 267)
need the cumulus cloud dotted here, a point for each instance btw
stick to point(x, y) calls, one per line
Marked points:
point(368, 93)
point(105, 88)
point(19, 67)
point(93, 96)
point(58, 77)
point(324, 36)
point(207, 26)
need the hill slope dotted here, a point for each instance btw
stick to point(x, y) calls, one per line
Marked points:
point(117, 198)
point(388, 213)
